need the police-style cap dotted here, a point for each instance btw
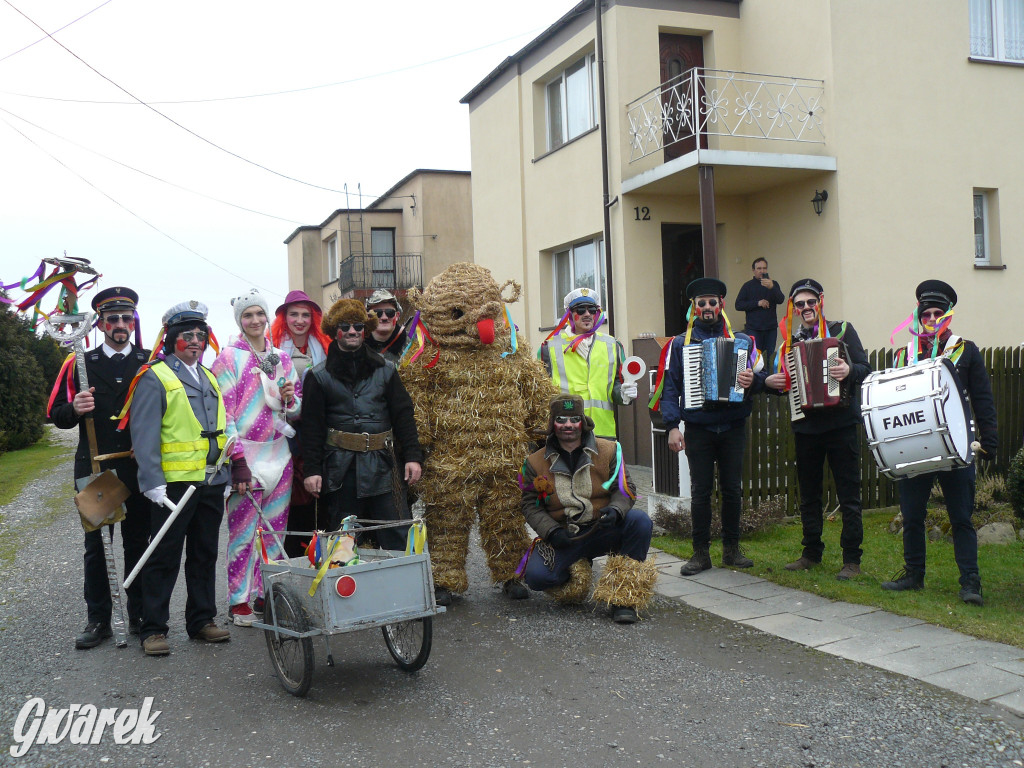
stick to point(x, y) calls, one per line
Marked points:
point(806, 284)
point(936, 294)
point(581, 296)
point(117, 297)
point(186, 311)
point(705, 286)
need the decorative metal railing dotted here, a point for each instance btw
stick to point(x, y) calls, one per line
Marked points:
point(400, 271)
point(711, 102)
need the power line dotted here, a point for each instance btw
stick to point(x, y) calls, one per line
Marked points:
point(130, 211)
point(283, 92)
point(25, 48)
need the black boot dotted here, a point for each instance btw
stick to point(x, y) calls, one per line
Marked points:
point(970, 590)
point(701, 561)
point(94, 633)
point(731, 555)
point(442, 596)
point(515, 590)
point(908, 578)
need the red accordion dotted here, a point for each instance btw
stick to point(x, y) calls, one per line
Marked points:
point(811, 387)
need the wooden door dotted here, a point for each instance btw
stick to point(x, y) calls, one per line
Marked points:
point(678, 55)
point(682, 261)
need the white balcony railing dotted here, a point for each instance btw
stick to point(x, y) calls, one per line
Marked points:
point(712, 102)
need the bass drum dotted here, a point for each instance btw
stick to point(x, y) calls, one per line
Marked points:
point(917, 419)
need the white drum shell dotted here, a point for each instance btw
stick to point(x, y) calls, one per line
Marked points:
point(917, 419)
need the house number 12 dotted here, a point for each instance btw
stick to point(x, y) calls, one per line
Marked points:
point(642, 213)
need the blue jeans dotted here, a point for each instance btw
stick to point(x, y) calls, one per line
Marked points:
point(631, 537)
point(958, 489)
point(705, 448)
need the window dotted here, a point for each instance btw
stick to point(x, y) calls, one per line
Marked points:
point(332, 259)
point(572, 102)
point(986, 228)
point(382, 246)
point(997, 29)
point(581, 266)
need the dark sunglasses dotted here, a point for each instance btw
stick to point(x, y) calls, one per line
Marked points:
point(707, 303)
point(589, 309)
point(809, 303)
point(385, 312)
point(568, 419)
point(194, 335)
point(123, 318)
point(357, 327)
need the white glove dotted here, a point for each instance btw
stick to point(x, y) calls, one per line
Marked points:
point(628, 392)
point(157, 495)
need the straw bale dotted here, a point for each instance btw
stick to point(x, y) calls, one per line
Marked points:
point(577, 588)
point(626, 582)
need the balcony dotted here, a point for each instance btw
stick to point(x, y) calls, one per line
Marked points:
point(366, 272)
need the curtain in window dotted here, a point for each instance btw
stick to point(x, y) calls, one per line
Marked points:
point(382, 246)
point(563, 280)
point(555, 114)
point(979, 228)
point(1013, 29)
point(577, 99)
point(982, 42)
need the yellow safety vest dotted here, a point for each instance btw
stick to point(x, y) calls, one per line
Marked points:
point(591, 377)
point(182, 451)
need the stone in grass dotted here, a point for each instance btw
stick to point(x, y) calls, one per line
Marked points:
point(996, 533)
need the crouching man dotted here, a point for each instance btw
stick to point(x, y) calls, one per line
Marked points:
point(579, 499)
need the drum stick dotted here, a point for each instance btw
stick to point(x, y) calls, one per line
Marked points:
point(976, 447)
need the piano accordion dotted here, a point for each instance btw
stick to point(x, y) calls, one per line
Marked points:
point(711, 370)
point(811, 388)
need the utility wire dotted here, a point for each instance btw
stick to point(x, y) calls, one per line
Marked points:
point(129, 210)
point(15, 53)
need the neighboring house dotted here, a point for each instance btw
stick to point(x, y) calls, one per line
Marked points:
point(739, 113)
point(399, 241)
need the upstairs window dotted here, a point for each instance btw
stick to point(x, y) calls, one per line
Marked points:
point(332, 259)
point(581, 266)
point(997, 29)
point(572, 102)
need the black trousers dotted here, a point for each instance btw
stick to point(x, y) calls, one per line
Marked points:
point(344, 502)
point(135, 536)
point(705, 449)
point(196, 531)
point(958, 491)
point(841, 448)
point(765, 341)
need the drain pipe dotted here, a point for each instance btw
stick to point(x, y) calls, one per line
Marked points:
point(609, 280)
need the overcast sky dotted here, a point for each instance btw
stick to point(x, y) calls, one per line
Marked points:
point(394, 73)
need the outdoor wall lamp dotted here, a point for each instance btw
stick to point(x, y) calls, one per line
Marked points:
point(819, 201)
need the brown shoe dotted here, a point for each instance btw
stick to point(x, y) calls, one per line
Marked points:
point(156, 645)
point(802, 564)
point(849, 571)
point(211, 633)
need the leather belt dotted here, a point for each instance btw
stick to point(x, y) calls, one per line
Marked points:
point(358, 441)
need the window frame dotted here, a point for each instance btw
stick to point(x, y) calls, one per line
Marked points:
point(590, 68)
point(569, 253)
point(998, 37)
point(331, 244)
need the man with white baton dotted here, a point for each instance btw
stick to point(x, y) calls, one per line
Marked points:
point(177, 423)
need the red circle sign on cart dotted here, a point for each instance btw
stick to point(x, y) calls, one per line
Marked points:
point(345, 586)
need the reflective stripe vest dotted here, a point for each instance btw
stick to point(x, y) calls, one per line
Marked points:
point(592, 377)
point(182, 450)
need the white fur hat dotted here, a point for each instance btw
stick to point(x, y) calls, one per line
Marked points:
point(251, 299)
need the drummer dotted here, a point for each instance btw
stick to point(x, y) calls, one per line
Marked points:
point(935, 301)
point(827, 433)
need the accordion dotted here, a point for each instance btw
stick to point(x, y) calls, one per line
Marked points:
point(811, 387)
point(711, 369)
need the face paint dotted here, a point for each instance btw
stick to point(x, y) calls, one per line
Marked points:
point(180, 344)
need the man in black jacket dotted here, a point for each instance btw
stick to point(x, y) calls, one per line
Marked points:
point(758, 297)
point(828, 433)
point(355, 409)
point(110, 369)
point(934, 301)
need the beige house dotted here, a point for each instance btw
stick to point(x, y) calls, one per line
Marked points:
point(399, 241)
point(724, 119)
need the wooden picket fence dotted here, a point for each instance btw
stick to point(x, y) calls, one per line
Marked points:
point(770, 465)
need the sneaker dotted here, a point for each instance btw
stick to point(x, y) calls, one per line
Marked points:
point(908, 578)
point(622, 614)
point(242, 615)
point(95, 632)
point(211, 633)
point(515, 590)
point(734, 557)
point(257, 606)
point(701, 561)
point(970, 591)
point(801, 564)
point(156, 645)
point(848, 571)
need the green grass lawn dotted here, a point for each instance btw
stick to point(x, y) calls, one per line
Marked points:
point(1002, 573)
point(19, 468)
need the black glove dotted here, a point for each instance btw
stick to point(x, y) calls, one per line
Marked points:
point(609, 517)
point(988, 452)
point(559, 539)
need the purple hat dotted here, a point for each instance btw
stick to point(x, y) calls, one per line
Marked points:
point(296, 297)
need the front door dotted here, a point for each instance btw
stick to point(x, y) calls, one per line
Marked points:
point(682, 261)
point(682, 56)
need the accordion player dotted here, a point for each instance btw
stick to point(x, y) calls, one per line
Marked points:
point(811, 387)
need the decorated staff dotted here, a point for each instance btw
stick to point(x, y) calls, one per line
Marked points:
point(819, 358)
point(933, 339)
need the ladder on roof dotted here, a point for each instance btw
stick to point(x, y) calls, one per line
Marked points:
point(354, 223)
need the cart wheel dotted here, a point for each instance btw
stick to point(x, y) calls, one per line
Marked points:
point(409, 642)
point(292, 657)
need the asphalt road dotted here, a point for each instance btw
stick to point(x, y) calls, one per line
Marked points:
point(524, 683)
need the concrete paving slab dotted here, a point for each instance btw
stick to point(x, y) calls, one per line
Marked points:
point(674, 586)
point(799, 630)
point(663, 558)
point(710, 597)
point(880, 621)
point(1012, 701)
point(977, 681)
point(927, 636)
point(722, 578)
point(920, 662)
point(796, 601)
point(1013, 665)
point(865, 647)
point(759, 590)
point(837, 610)
point(742, 608)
